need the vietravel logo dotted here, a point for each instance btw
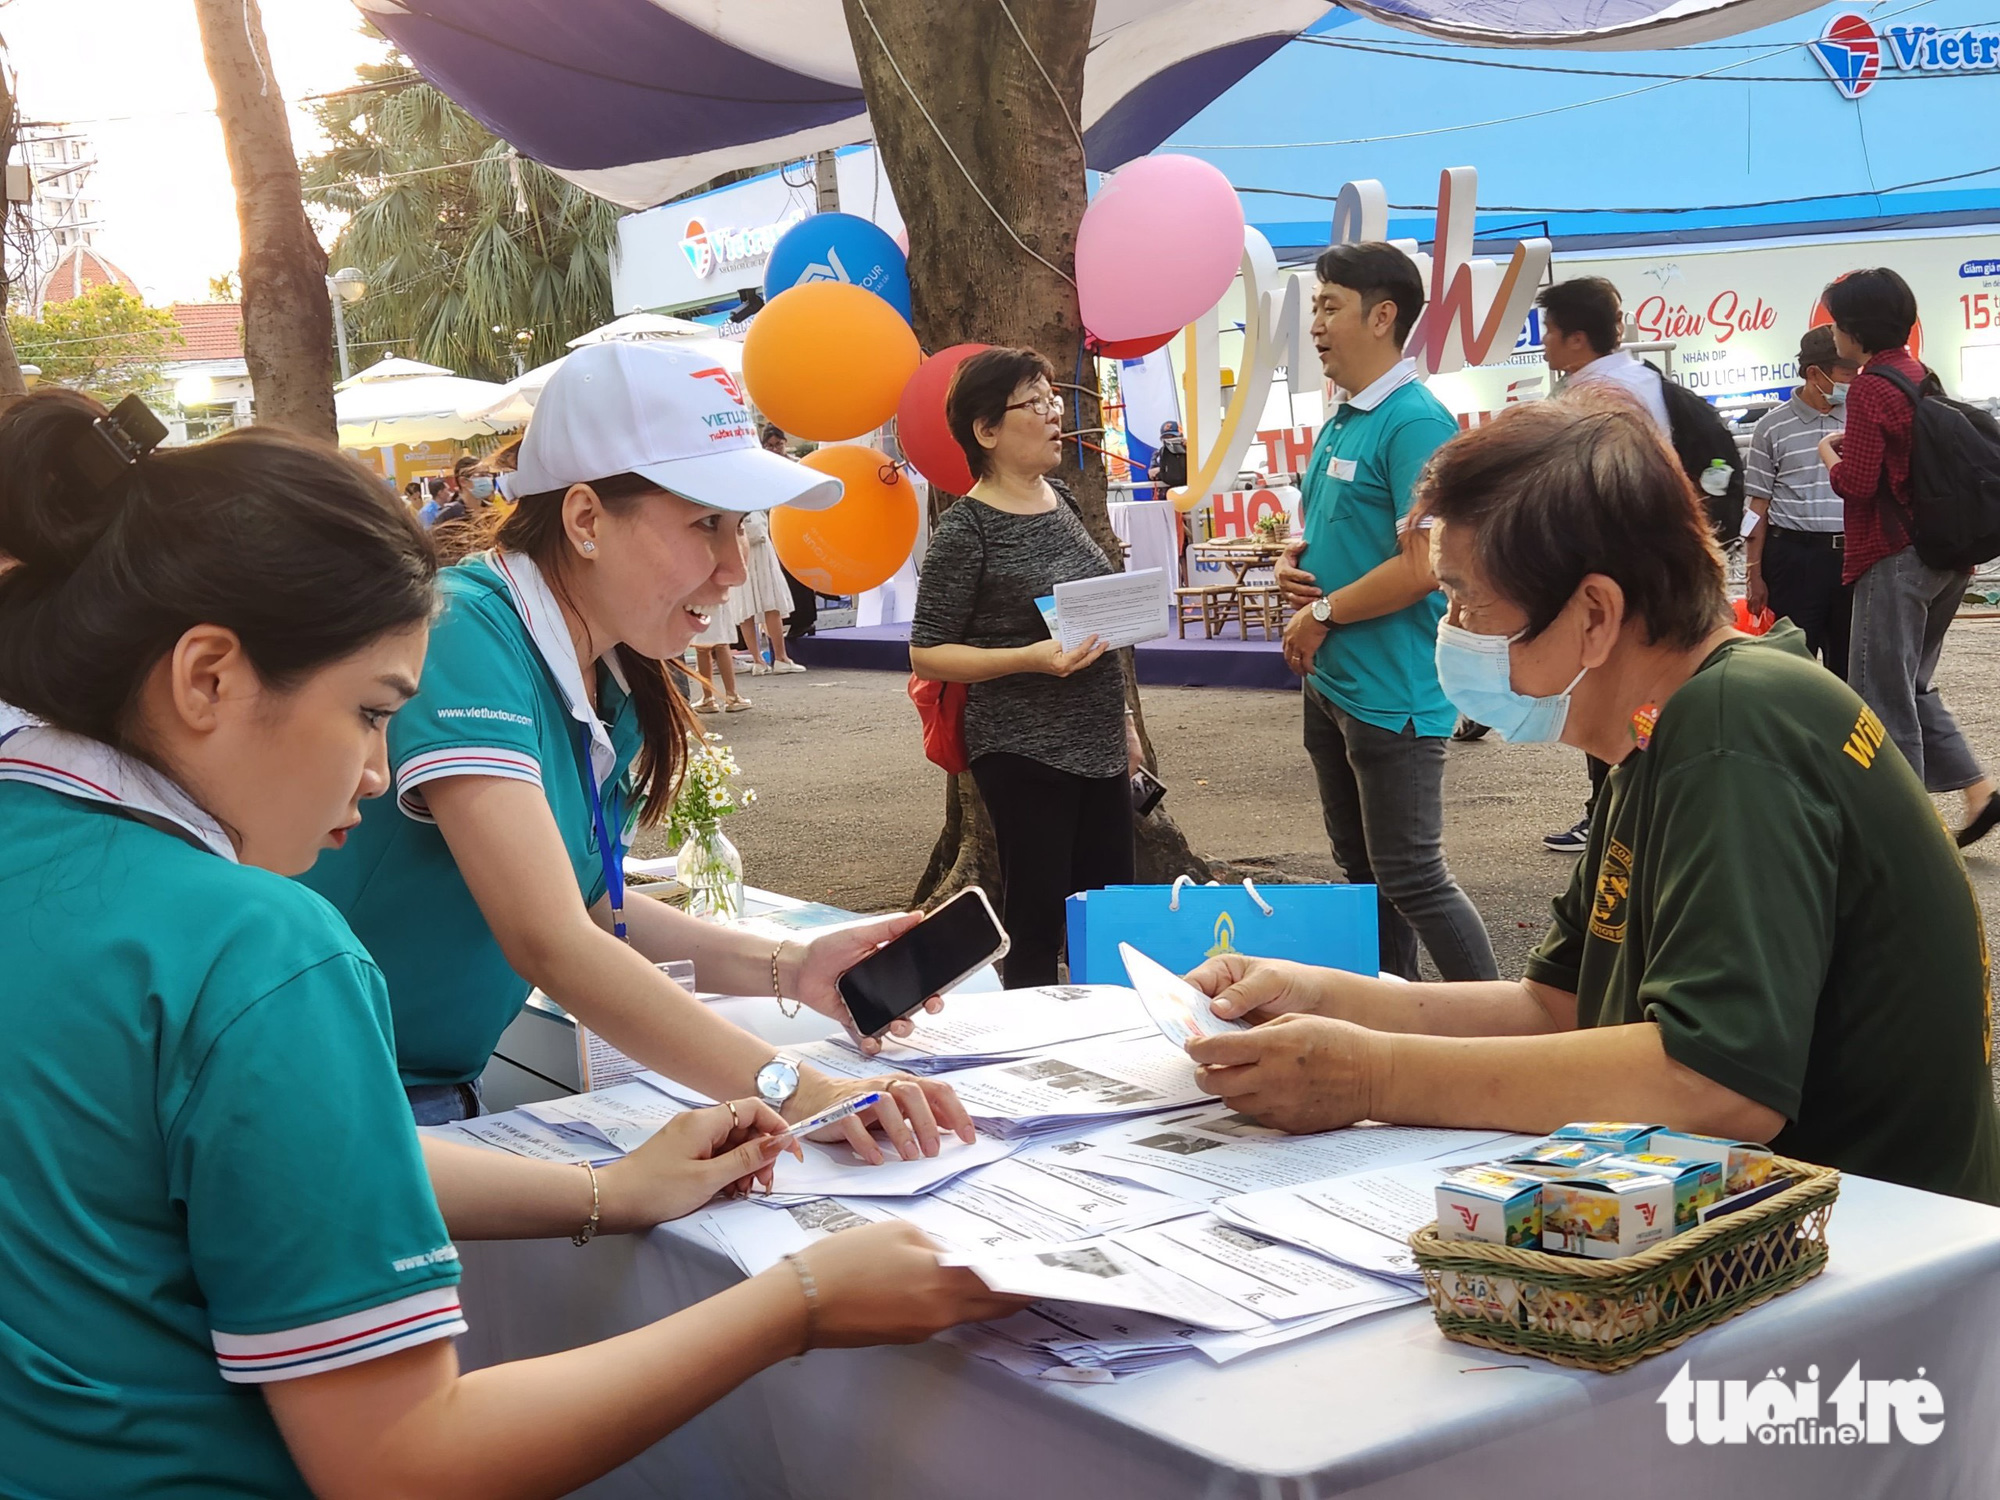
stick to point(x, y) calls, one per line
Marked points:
point(1853, 53)
point(1774, 1413)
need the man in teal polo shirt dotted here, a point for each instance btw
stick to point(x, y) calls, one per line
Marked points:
point(1365, 636)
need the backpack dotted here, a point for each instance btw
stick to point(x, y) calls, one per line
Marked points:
point(1952, 516)
point(1700, 437)
point(1172, 461)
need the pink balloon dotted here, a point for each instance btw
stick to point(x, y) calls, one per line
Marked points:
point(1157, 248)
point(902, 238)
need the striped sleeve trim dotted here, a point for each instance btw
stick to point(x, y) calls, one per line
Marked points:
point(314, 1348)
point(459, 760)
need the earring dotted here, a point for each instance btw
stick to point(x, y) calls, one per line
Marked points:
point(590, 546)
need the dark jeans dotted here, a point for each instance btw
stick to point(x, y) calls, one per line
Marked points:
point(1902, 609)
point(1058, 834)
point(804, 618)
point(442, 1103)
point(1382, 797)
point(1802, 573)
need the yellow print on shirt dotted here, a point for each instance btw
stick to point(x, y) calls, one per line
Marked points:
point(1614, 889)
point(1865, 739)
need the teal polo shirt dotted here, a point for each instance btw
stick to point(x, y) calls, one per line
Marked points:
point(211, 1180)
point(492, 703)
point(1357, 493)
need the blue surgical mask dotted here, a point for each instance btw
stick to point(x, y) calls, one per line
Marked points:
point(482, 487)
point(1477, 675)
point(1837, 397)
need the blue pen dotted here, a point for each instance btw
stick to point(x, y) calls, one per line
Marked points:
point(832, 1115)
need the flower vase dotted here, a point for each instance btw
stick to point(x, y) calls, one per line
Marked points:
point(712, 870)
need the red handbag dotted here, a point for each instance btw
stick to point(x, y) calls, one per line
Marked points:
point(941, 706)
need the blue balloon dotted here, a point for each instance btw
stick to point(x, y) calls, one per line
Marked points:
point(840, 247)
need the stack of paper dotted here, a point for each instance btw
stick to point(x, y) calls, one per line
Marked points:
point(1001, 1025)
point(1213, 1152)
point(1082, 1084)
point(1364, 1219)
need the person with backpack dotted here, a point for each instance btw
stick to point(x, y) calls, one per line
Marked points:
point(1903, 602)
point(1168, 470)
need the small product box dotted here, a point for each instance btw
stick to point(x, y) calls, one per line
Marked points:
point(1745, 1164)
point(1612, 1135)
point(1552, 1159)
point(1492, 1204)
point(1696, 1183)
point(1610, 1213)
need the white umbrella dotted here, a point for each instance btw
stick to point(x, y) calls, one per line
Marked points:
point(512, 403)
point(407, 401)
point(642, 325)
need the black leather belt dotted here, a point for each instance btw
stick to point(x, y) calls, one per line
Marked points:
point(1825, 541)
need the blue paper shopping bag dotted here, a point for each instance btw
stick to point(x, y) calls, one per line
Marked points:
point(1181, 925)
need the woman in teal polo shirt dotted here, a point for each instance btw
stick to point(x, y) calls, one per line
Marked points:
point(547, 728)
point(222, 1270)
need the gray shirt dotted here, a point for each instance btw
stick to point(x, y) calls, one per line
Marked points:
point(1783, 467)
point(981, 577)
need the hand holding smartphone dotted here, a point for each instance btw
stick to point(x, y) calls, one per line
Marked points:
point(951, 944)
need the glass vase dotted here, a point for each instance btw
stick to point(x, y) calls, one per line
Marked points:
point(712, 870)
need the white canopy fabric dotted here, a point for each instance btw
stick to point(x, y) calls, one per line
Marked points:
point(407, 401)
point(642, 325)
point(512, 404)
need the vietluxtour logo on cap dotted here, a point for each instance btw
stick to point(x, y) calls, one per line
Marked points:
point(1853, 54)
point(722, 378)
point(695, 246)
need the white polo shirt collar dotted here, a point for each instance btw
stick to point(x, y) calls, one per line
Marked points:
point(1384, 385)
point(535, 602)
point(32, 751)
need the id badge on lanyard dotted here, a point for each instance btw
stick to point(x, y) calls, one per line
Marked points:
point(613, 854)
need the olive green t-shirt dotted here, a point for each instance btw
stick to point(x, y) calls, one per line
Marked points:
point(1769, 884)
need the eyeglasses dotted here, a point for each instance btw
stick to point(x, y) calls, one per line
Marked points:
point(1041, 406)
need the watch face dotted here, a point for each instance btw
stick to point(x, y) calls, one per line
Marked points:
point(777, 1081)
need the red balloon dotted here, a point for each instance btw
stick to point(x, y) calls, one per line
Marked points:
point(920, 424)
point(1131, 348)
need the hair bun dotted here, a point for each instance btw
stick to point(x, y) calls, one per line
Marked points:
point(49, 518)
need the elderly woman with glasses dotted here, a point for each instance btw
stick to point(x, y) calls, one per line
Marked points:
point(1045, 729)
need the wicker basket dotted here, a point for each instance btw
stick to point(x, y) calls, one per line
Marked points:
point(1610, 1314)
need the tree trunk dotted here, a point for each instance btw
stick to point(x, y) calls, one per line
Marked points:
point(287, 319)
point(13, 385)
point(970, 280)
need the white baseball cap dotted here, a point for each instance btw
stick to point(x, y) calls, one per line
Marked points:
point(673, 416)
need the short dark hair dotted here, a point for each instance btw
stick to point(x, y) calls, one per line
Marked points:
point(1875, 308)
point(1817, 351)
point(1589, 305)
point(465, 461)
point(290, 543)
point(1378, 272)
point(980, 389)
point(1555, 490)
point(771, 430)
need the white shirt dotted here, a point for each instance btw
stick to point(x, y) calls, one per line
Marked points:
point(1638, 380)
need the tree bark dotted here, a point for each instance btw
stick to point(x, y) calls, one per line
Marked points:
point(969, 278)
point(13, 385)
point(287, 319)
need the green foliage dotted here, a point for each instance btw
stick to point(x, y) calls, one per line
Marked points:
point(434, 223)
point(107, 342)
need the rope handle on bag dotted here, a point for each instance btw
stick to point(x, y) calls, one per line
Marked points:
point(1249, 889)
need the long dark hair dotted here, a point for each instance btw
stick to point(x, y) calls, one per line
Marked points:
point(535, 528)
point(299, 550)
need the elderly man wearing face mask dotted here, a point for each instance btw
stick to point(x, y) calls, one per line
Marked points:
point(1794, 554)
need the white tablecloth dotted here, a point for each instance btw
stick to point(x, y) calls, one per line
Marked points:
point(1151, 528)
point(1378, 1409)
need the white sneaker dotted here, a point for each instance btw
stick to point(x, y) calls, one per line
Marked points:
point(786, 666)
point(760, 670)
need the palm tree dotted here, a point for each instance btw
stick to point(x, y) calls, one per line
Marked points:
point(474, 256)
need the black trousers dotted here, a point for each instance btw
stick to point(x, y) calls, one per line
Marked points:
point(804, 618)
point(1802, 573)
point(1058, 834)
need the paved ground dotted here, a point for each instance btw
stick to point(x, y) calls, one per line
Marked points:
point(849, 807)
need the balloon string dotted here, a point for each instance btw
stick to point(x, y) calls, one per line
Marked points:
point(963, 171)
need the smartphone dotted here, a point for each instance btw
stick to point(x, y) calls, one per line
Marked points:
point(954, 942)
point(1147, 790)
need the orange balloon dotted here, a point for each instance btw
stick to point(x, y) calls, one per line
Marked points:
point(827, 361)
point(859, 543)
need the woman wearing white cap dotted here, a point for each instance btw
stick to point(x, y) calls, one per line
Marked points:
point(546, 729)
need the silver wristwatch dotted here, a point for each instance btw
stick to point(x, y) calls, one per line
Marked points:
point(1322, 609)
point(777, 1081)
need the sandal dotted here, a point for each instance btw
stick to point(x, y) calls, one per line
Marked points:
point(736, 705)
point(708, 706)
point(1980, 824)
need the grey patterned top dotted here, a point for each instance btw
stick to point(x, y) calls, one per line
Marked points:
point(981, 577)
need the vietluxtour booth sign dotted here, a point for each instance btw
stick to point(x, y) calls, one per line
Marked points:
point(1853, 52)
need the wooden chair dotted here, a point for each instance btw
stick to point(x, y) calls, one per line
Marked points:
point(1211, 604)
point(1263, 608)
